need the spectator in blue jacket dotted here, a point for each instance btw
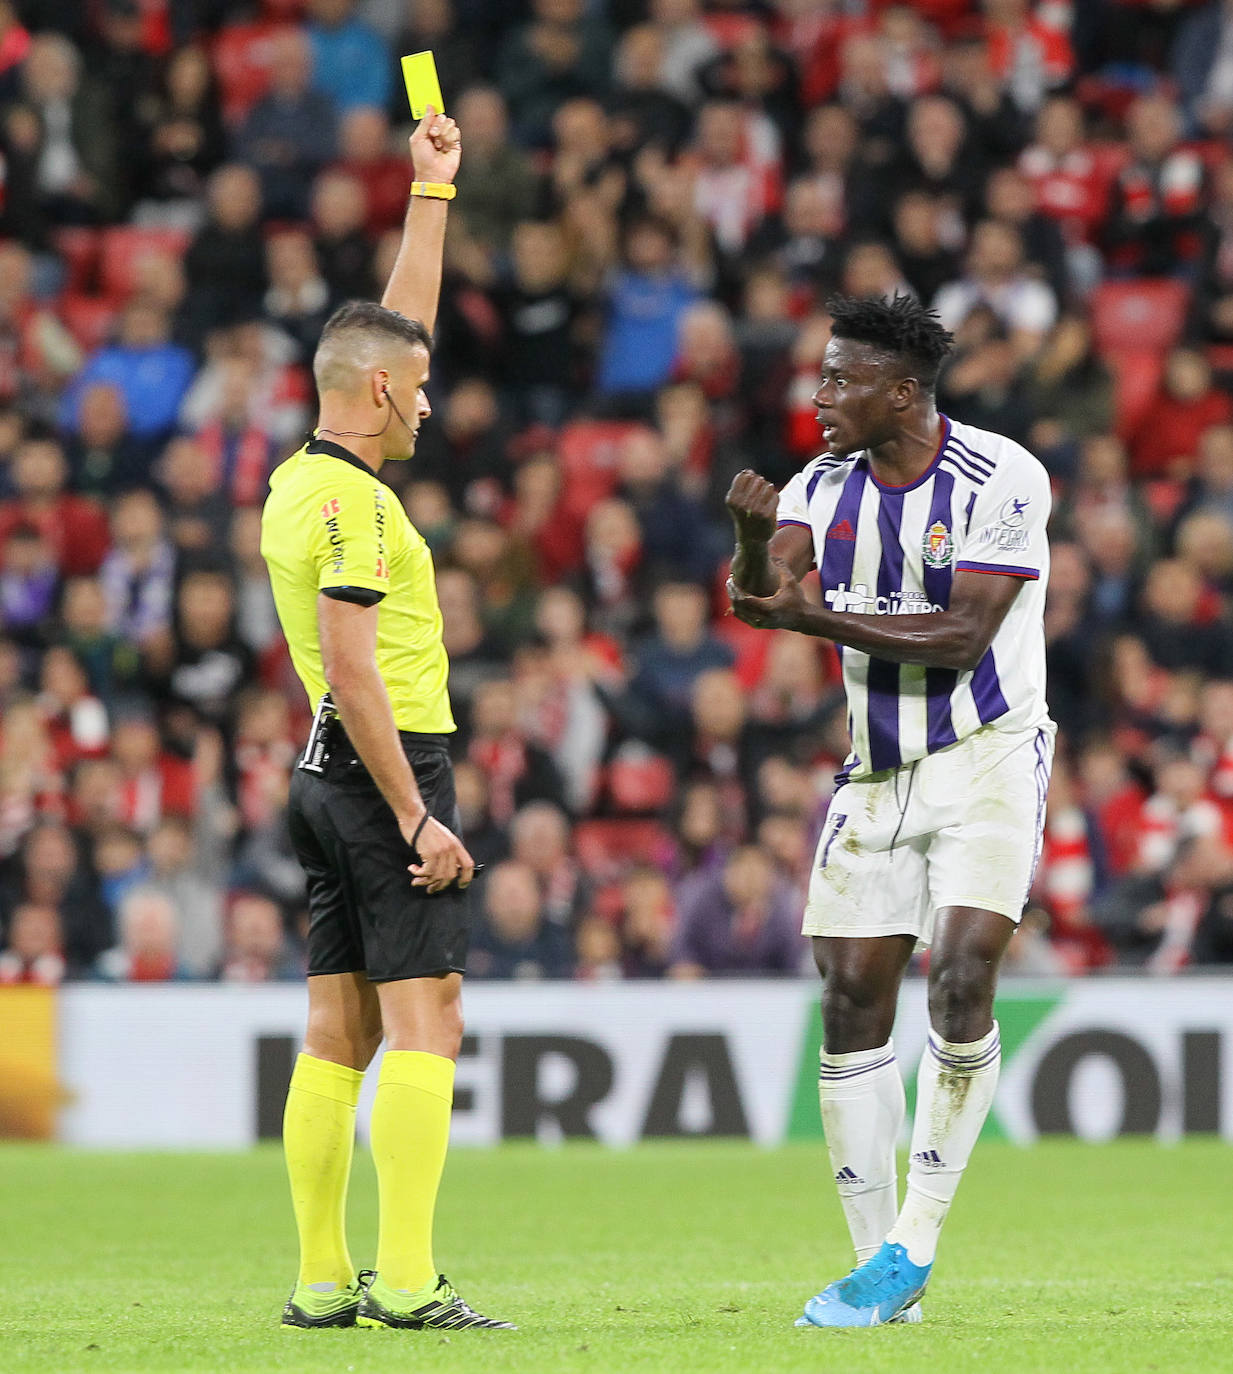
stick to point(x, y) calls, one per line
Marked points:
point(646, 300)
point(150, 371)
point(351, 62)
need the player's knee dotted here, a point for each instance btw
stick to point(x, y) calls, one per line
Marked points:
point(429, 1020)
point(854, 1013)
point(961, 998)
point(338, 1046)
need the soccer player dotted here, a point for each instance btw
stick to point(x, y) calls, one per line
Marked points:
point(372, 809)
point(929, 539)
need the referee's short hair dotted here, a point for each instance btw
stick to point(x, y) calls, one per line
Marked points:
point(353, 340)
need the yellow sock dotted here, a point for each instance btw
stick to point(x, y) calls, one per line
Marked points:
point(410, 1134)
point(318, 1137)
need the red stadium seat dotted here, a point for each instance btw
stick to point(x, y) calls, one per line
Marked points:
point(606, 849)
point(1136, 376)
point(87, 318)
point(588, 451)
point(122, 249)
point(1138, 316)
point(78, 249)
point(242, 65)
point(639, 780)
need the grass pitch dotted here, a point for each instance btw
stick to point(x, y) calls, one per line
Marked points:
point(692, 1257)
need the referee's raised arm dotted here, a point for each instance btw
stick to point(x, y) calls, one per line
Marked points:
point(414, 287)
point(361, 377)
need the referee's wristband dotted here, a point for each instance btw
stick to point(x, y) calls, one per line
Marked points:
point(424, 819)
point(434, 190)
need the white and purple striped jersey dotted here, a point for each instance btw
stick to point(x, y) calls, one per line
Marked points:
point(982, 506)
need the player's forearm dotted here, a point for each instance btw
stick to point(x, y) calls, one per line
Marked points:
point(751, 568)
point(368, 718)
point(941, 639)
point(414, 287)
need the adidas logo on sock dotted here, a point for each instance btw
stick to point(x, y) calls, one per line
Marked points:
point(929, 1159)
point(846, 1175)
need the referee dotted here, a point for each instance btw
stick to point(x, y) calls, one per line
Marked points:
point(372, 810)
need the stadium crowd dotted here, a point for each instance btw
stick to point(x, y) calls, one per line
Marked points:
point(656, 198)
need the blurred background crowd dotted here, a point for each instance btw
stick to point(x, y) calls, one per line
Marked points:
point(656, 198)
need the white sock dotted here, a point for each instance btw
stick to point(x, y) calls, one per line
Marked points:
point(861, 1096)
point(954, 1092)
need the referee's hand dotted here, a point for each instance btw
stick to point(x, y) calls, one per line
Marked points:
point(443, 856)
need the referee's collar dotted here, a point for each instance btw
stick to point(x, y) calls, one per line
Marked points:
point(319, 445)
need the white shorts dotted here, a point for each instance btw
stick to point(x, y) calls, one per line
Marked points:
point(959, 828)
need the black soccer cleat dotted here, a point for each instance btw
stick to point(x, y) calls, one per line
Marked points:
point(444, 1311)
point(309, 1311)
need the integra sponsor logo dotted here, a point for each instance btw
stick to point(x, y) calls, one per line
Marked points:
point(861, 600)
point(1010, 540)
point(330, 513)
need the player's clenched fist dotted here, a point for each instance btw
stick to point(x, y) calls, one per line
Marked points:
point(753, 504)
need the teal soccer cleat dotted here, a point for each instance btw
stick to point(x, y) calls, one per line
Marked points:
point(873, 1294)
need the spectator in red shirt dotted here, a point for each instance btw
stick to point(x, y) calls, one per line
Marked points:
point(365, 154)
point(1115, 801)
point(14, 45)
point(153, 782)
point(1028, 52)
point(537, 514)
point(1064, 171)
point(74, 527)
point(1187, 403)
point(1156, 207)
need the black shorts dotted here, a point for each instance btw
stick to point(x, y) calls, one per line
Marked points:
point(364, 914)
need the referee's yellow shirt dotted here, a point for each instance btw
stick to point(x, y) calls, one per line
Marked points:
point(331, 525)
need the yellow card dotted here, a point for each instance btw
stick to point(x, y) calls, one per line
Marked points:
point(419, 71)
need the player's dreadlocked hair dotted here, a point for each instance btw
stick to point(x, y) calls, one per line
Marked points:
point(901, 326)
